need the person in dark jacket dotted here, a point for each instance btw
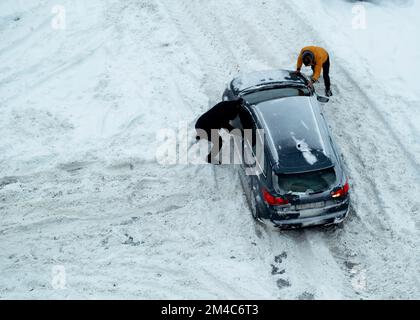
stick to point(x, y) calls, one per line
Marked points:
point(215, 119)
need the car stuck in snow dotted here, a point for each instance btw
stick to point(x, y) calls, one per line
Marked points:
point(300, 180)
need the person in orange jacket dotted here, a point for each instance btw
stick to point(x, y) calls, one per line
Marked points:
point(318, 58)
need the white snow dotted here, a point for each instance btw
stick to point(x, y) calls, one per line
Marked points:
point(303, 147)
point(304, 125)
point(81, 189)
point(250, 79)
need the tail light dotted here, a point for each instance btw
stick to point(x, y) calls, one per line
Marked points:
point(272, 200)
point(341, 192)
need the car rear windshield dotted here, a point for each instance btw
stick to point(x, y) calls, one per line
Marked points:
point(311, 182)
point(272, 94)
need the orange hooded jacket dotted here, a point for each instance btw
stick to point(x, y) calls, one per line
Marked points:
point(321, 56)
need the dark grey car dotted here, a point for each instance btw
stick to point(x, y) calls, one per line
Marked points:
point(299, 180)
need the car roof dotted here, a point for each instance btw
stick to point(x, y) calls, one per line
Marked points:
point(296, 134)
point(261, 78)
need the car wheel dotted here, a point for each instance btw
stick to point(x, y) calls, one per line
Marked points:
point(255, 209)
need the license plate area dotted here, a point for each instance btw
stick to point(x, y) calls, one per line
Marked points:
point(312, 205)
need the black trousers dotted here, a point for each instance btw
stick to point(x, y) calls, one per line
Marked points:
point(216, 146)
point(326, 71)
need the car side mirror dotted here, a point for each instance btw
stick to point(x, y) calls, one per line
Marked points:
point(323, 99)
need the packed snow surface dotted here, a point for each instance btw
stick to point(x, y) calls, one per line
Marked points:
point(86, 211)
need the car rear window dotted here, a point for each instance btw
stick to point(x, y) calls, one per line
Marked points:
point(312, 182)
point(272, 94)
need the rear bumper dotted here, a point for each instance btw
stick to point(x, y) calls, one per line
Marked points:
point(324, 219)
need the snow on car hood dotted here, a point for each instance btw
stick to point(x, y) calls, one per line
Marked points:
point(303, 147)
point(248, 80)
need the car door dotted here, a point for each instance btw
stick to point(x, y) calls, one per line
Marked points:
point(251, 169)
point(246, 146)
point(241, 122)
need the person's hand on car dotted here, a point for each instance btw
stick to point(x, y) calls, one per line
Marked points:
point(310, 84)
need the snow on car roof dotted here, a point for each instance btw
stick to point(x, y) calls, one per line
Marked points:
point(248, 80)
point(294, 134)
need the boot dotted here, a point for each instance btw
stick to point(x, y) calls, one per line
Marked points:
point(215, 162)
point(328, 93)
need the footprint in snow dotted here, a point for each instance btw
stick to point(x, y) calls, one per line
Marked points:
point(281, 283)
point(306, 296)
point(280, 257)
point(130, 241)
point(277, 270)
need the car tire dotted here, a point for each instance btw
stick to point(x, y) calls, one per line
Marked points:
point(255, 208)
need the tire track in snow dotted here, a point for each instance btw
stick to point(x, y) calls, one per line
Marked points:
point(52, 73)
point(192, 33)
point(204, 46)
point(32, 37)
point(379, 116)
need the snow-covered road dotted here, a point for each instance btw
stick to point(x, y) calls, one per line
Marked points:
point(80, 186)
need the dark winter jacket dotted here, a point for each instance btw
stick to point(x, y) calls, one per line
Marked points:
point(219, 116)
